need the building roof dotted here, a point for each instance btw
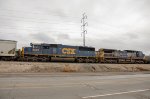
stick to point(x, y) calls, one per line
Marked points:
point(8, 40)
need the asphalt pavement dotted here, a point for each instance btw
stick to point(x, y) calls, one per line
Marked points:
point(76, 86)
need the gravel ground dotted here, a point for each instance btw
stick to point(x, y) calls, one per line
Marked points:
point(41, 67)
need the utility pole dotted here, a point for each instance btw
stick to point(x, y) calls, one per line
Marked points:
point(84, 24)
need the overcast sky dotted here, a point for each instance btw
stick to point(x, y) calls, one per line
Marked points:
point(116, 24)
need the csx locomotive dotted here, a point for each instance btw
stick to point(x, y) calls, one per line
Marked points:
point(58, 52)
point(53, 52)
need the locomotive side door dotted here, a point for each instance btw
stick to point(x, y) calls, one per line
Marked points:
point(54, 48)
point(45, 50)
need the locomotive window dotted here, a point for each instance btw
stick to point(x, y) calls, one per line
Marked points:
point(86, 49)
point(109, 50)
point(54, 45)
point(92, 49)
point(45, 47)
point(36, 46)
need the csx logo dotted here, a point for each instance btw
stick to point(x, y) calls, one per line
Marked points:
point(68, 51)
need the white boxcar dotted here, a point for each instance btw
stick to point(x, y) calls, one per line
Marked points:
point(7, 48)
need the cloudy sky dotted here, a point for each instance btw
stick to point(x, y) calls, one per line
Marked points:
point(116, 24)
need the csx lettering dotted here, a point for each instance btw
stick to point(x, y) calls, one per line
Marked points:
point(68, 51)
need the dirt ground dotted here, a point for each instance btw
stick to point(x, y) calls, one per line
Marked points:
point(41, 67)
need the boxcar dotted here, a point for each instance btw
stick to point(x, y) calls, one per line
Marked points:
point(7, 49)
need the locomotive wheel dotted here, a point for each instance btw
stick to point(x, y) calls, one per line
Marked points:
point(29, 60)
point(3, 59)
point(142, 62)
point(25, 58)
point(80, 60)
point(39, 59)
point(105, 61)
point(35, 59)
point(44, 59)
point(92, 60)
point(116, 62)
point(87, 60)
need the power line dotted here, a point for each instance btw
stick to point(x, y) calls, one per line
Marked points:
point(84, 24)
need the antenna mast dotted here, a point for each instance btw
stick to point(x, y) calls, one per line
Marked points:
point(84, 24)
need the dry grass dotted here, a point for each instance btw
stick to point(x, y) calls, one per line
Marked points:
point(18, 67)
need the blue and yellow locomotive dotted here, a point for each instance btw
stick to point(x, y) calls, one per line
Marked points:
point(53, 52)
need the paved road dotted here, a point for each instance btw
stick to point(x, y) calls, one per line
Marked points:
point(75, 86)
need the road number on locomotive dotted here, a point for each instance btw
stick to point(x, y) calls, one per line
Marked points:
point(68, 51)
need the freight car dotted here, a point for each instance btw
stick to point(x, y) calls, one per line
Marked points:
point(7, 49)
point(53, 52)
